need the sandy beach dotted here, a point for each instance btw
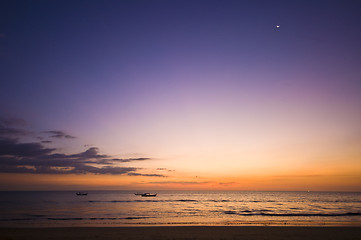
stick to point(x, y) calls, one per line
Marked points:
point(189, 232)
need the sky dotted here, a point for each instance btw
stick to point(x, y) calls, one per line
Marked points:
point(190, 95)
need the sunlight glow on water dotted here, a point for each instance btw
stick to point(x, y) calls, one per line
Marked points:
point(118, 208)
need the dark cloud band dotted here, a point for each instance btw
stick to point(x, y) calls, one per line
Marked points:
point(16, 157)
point(34, 157)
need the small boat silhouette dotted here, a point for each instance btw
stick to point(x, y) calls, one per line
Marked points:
point(148, 195)
point(81, 193)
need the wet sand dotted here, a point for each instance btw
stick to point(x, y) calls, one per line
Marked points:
point(179, 233)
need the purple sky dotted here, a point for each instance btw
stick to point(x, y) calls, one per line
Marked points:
point(173, 79)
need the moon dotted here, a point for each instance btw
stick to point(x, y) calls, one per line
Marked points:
point(277, 26)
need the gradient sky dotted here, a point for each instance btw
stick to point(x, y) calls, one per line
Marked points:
point(174, 94)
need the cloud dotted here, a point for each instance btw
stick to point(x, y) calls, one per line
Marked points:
point(10, 147)
point(88, 154)
point(165, 169)
point(175, 182)
point(226, 183)
point(130, 159)
point(8, 127)
point(59, 134)
point(34, 157)
point(17, 157)
point(10, 131)
point(146, 174)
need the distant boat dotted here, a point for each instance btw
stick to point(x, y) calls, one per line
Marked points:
point(81, 193)
point(138, 193)
point(148, 195)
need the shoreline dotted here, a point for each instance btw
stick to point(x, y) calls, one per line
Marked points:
point(184, 232)
point(76, 224)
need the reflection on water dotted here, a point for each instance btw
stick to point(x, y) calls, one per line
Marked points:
point(177, 207)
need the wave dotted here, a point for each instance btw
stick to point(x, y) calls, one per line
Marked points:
point(148, 200)
point(176, 200)
point(100, 218)
point(219, 201)
point(17, 219)
point(249, 213)
point(185, 200)
point(230, 212)
point(243, 213)
point(74, 218)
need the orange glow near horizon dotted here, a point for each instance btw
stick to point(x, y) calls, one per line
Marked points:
point(290, 182)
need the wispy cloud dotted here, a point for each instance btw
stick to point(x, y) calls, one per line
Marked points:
point(165, 169)
point(12, 148)
point(14, 127)
point(35, 157)
point(10, 127)
point(180, 182)
point(226, 183)
point(10, 131)
point(146, 174)
point(17, 157)
point(129, 159)
point(59, 134)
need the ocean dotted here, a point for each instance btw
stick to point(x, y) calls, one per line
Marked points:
point(124, 208)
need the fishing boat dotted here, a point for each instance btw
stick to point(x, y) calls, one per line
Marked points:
point(148, 195)
point(81, 193)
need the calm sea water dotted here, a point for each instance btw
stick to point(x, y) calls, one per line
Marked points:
point(123, 208)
